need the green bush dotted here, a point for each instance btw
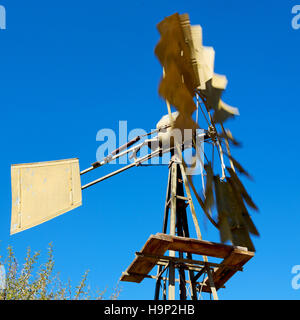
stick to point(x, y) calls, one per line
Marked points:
point(31, 282)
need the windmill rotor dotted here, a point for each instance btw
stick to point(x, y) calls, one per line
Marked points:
point(189, 83)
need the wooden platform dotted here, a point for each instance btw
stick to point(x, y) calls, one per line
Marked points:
point(153, 251)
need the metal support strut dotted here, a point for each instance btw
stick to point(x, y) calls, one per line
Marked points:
point(175, 217)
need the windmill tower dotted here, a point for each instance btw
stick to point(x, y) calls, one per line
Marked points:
point(178, 272)
point(189, 84)
point(186, 267)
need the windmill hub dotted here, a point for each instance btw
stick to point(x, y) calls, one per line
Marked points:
point(168, 136)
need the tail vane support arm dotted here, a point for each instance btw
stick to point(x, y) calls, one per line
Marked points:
point(137, 162)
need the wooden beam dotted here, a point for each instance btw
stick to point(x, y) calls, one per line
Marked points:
point(211, 283)
point(148, 276)
point(176, 259)
point(237, 258)
point(195, 246)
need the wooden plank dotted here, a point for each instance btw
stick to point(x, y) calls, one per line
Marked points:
point(212, 284)
point(195, 246)
point(177, 260)
point(141, 266)
point(222, 274)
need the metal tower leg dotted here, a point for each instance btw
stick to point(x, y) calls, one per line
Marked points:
point(175, 206)
point(173, 213)
point(164, 230)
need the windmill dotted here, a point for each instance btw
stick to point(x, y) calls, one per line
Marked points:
point(42, 191)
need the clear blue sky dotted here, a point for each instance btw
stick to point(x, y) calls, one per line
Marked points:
point(71, 68)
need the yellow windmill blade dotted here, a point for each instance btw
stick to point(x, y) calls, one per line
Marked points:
point(224, 112)
point(203, 58)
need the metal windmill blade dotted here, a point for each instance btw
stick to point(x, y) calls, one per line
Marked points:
point(189, 83)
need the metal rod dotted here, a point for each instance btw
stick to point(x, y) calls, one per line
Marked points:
point(115, 155)
point(198, 275)
point(108, 176)
point(126, 145)
point(136, 163)
point(109, 159)
point(117, 152)
point(184, 225)
point(88, 170)
point(171, 288)
point(164, 230)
